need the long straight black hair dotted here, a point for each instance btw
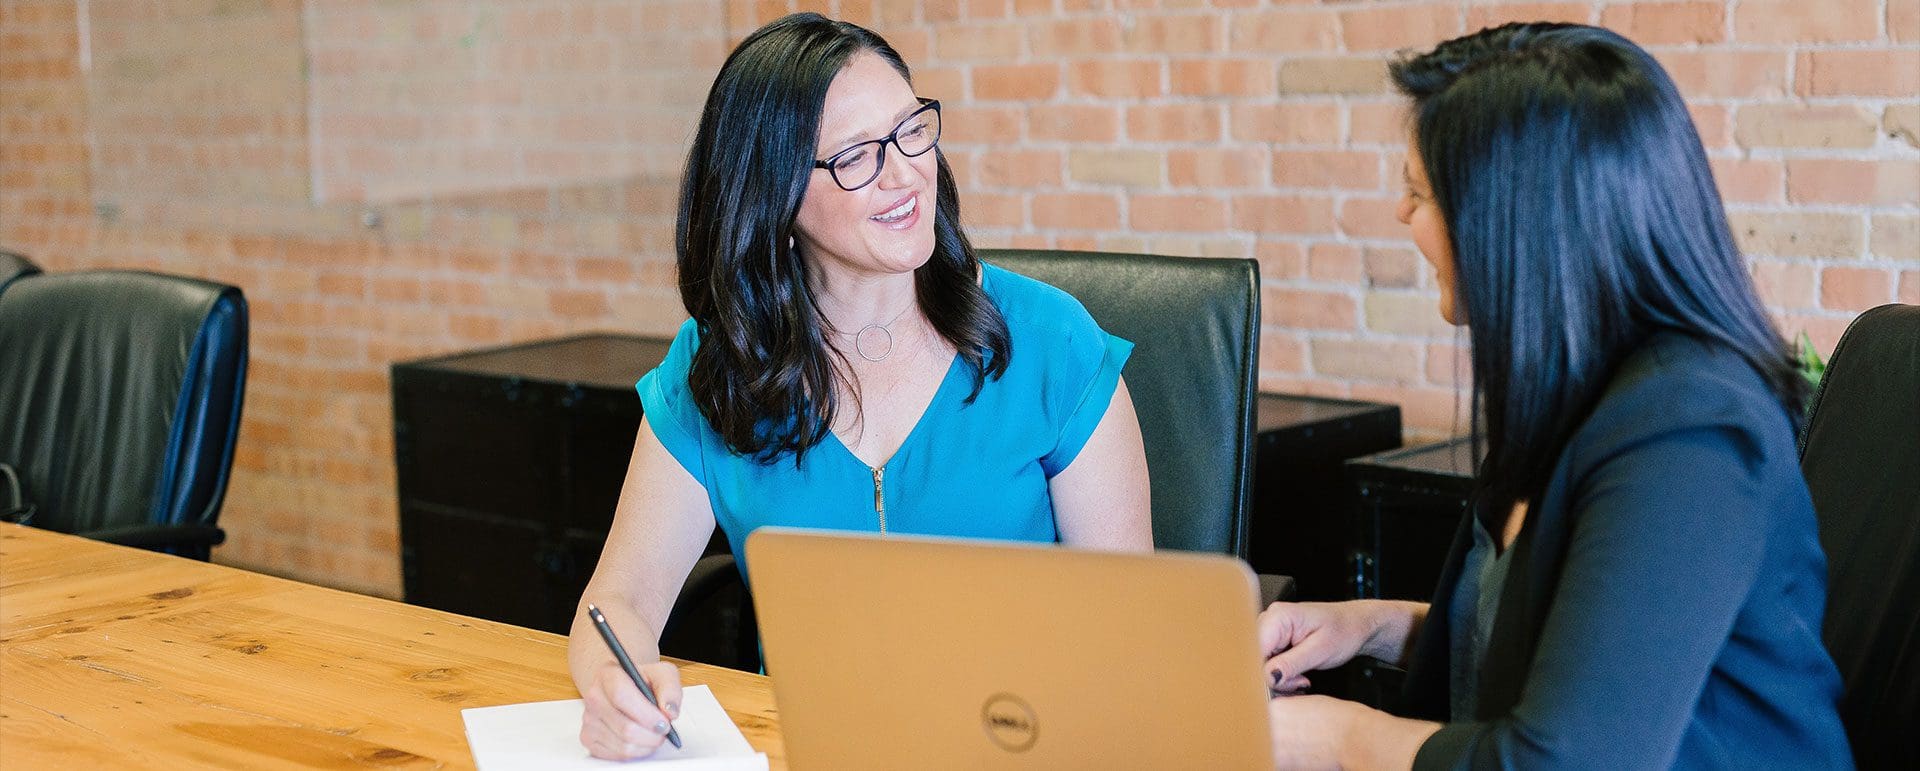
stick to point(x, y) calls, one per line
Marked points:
point(763, 375)
point(1583, 218)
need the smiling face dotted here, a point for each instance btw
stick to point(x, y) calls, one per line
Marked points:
point(1419, 212)
point(885, 227)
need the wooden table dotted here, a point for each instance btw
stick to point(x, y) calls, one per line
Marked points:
point(111, 656)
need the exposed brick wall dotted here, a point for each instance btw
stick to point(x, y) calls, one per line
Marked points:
point(200, 143)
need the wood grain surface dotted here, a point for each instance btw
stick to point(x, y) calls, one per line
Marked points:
point(112, 656)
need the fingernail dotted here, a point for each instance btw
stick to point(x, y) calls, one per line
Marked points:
point(660, 728)
point(673, 709)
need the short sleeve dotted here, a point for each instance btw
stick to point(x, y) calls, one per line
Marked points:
point(1092, 360)
point(667, 403)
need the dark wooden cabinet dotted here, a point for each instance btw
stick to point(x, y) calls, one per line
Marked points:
point(1411, 502)
point(510, 463)
point(1302, 519)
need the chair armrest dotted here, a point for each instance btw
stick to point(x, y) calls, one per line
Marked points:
point(160, 537)
point(1275, 589)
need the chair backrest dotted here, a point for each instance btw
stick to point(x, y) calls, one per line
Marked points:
point(1861, 456)
point(122, 396)
point(14, 266)
point(1195, 325)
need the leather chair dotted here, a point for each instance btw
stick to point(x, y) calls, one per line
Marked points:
point(1861, 455)
point(14, 266)
point(1195, 325)
point(121, 404)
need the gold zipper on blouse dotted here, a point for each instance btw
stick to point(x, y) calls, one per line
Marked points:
point(879, 497)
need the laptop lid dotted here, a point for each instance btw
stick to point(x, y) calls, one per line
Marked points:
point(907, 652)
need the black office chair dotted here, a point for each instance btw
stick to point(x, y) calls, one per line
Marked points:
point(14, 266)
point(1195, 325)
point(1861, 456)
point(121, 403)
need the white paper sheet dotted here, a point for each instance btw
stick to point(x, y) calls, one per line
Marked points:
point(546, 735)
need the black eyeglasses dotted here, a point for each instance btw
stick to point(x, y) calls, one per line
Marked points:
point(859, 165)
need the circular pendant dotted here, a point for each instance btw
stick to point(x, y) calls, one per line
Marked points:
point(870, 338)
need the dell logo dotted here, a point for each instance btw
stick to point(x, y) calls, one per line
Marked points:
point(1009, 722)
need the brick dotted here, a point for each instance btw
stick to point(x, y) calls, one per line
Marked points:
point(1896, 236)
point(1134, 168)
point(1326, 169)
point(1280, 259)
point(1481, 16)
point(1301, 215)
point(1406, 313)
point(1073, 123)
point(1174, 34)
point(1192, 246)
point(1365, 359)
point(1282, 352)
point(1295, 123)
point(1334, 75)
point(946, 83)
point(1399, 26)
point(1076, 37)
point(1107, 78)
point(1223, 77)
point(1426, 413)
point(1886, 182)
point(1854, 289)
point(1801, 23)
point(993, 210)
point(1909, 287)
point(1818, 126)
point(1286, 31)
point(1902, 122)
point(1859, 73)
point(1799, 234)
point(1784, 284)
point(1174, 123)
point(970, 42)
point(1019, 168)
point(1333, 262)
point(1668, 23)
point(986, 125)
point(1076, 211)
point(1178, 213)
point(1721, 74)
point(1217, 168)
point(1448, 364)
point(1379, 123)
point(1372, 218)
point(1903, 21)
point(1750, 181)
point(1016, 82)
point(1391, 268)
point(1307, 309)
point(1714, 124)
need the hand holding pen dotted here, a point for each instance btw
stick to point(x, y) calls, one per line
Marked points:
point(620, 724)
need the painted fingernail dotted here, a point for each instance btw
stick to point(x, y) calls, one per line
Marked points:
point(673, 709)
point(660, 728)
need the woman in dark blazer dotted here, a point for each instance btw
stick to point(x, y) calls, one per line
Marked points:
point(1640, 582)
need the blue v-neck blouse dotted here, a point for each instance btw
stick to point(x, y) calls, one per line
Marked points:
point(976, 470)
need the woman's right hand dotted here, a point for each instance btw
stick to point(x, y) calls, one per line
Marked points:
point(618, 723)
point(1302, 637)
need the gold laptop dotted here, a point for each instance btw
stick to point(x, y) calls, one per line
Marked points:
point(920, 653)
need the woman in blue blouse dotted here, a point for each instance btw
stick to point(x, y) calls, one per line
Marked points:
point(849, 364)
point(1639, 583)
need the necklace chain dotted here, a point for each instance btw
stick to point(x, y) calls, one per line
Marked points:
point(883, 340)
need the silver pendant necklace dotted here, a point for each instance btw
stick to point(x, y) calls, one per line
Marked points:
point(877, 336)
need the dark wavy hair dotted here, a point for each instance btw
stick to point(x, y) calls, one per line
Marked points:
point(1584, 218)
point(763, 374)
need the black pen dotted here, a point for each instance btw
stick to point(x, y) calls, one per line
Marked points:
point(606, 633)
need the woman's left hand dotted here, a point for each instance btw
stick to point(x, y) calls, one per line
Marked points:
point(1309, 731)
